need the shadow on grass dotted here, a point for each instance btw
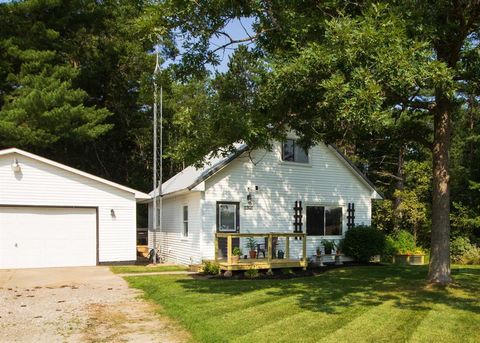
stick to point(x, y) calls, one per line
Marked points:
point(336, 290)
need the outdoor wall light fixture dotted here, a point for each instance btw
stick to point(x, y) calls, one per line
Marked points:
point(112, 213)
point(15, 166)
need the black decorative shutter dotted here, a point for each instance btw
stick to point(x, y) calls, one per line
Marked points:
point(351, 215)
point(297, 217)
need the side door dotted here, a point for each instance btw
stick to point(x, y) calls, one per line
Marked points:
point(228, 221)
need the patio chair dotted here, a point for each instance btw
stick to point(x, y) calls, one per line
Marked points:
point(263, 247)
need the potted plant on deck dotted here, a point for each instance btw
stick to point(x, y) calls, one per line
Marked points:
point(237, 252)
point(252, 246)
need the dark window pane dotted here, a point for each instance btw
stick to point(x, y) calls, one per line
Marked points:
point(288, 150)
point(315, 215)
point(185, 229)
point(333, 221)
point(301, 155)
point(185, 212)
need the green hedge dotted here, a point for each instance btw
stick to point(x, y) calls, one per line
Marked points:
point(362, 243)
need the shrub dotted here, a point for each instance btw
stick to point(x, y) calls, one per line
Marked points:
point(459, 246)
point(251, 273)
point(464, 252)
point(237, 251)
point(363, 242)
point(401, 242)
point(211, 268)
point(390, 249)
point(471, 257)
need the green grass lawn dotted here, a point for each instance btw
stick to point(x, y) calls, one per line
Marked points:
point(146, 269)
point(356, 304)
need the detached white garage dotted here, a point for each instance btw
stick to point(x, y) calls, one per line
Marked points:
point(52, 215)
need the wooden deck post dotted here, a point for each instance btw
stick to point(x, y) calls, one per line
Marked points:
point(229, 250)
point(216, 248)
point(287, 247)
point(305, 251)
point(270, 250)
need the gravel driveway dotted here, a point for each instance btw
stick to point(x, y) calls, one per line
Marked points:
point(83, 304)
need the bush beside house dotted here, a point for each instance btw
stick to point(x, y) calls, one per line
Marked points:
point(362, 243)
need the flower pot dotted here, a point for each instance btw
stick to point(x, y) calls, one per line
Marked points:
point(235, 259)
point(417, 260)
point(402, 260)
point(280, 254)
point(253, 254)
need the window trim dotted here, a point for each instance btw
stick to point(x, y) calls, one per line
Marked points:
point(325, 206)
point(185, 221)
point(307, 163)
point(237, 215)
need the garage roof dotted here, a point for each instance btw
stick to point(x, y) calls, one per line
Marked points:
point(138, 195)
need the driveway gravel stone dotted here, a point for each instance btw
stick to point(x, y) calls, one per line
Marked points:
point(82, 304)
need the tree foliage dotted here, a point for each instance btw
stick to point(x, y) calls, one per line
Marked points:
point(72, 80)
point(355, 72)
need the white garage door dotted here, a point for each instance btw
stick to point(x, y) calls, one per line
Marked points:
point(37, 237)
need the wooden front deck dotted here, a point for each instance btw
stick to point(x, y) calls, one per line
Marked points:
point(262, 263)
point(269, 261)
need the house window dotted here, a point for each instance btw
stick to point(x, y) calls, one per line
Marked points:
point(185, 221)
point(324, 221)
point(227, 217)
point(293, 152)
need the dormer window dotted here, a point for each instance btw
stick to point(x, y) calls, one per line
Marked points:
point(293, 152)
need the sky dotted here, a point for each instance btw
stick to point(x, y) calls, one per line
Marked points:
point(237, 29)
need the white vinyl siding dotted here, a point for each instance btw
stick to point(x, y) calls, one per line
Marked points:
point(174, 246)
point(44, 185)
point(324, 180)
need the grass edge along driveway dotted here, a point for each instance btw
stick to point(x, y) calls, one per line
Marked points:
point(127, 269)
point(359, 304)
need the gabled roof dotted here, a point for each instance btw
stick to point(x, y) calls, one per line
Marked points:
point(191, 177)
point(138, 195)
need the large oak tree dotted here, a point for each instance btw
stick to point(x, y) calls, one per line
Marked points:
point(341, 69)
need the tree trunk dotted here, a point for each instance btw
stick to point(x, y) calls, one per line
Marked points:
point(439, 269)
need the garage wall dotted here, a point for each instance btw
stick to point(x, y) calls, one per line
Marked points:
point(44, 185)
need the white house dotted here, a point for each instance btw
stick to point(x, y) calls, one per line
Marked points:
point(251, 192)
point(52, 215)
